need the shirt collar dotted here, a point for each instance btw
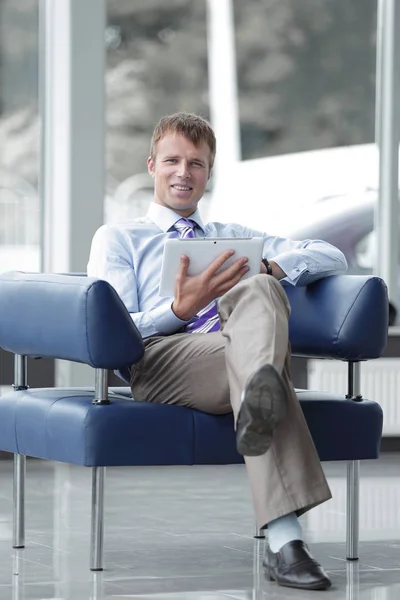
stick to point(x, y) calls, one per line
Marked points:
point(165, 218)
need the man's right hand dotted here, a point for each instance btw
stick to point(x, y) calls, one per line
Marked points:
point(192, 293)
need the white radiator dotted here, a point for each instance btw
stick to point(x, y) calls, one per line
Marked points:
point(379, 501)
point(380, 381)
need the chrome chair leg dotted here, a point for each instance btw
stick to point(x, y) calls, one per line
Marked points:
point(97, 528)
point(260, 533)
point(19, 501)
point(353, 510)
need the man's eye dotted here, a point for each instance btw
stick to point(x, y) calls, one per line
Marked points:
point(171, 160)
point(197, 164)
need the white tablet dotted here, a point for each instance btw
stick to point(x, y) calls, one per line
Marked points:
point(202, 252)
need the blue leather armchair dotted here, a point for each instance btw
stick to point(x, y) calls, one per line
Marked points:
point(83, 319)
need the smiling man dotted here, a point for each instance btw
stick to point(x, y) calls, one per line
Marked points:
point(221, 344)
point(181, 172)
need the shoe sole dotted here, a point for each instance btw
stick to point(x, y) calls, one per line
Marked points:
point(264, 405)
point(323, 585)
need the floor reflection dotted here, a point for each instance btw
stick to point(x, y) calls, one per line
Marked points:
point(186, 534)
point(258, 574)
point(17, 575)
point(95, 586)
point(353, 581)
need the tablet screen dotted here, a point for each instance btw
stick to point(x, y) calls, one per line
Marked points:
point(202, 252)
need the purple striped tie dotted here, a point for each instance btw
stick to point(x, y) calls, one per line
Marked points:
point(208, 319)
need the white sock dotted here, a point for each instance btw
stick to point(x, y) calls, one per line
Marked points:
point(284, 530)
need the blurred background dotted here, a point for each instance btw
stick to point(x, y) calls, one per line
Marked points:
point(295, 116)
point(303, 84)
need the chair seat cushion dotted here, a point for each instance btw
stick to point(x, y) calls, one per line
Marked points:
point(62, 424)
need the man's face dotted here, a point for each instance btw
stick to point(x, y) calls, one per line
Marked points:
point(180, 171)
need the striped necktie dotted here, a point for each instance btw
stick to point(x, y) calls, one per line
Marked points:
point(207, 317)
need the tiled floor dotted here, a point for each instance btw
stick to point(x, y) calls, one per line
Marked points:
point(186, 533)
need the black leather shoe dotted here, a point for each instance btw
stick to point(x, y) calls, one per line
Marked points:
point(293, 566)
point(264, 405)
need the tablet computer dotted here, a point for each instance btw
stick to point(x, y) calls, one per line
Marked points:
point(202, 252)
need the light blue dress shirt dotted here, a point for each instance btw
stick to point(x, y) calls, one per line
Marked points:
point(129, 257)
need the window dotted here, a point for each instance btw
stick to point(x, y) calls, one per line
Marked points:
point(306, 74)
point(156, 65)
point(365, 251)
point(19, 135)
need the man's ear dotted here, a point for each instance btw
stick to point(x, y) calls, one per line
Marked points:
point(150, 166)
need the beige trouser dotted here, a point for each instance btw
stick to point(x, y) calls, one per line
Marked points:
point(209, 372)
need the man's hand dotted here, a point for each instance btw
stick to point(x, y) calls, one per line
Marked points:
point(194, 293)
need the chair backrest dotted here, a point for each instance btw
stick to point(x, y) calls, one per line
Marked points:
point(74, 318)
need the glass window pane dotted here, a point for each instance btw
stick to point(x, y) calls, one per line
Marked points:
point(365, 251)
point(306, 74)
point(156, 65)
point(19, 135)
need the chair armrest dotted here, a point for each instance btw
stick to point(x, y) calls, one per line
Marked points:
point(343, 317)
point(69, 317)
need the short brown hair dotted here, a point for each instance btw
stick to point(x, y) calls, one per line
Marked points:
point(193, 127)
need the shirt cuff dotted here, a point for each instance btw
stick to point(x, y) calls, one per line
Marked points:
point(292, 266)
point(165, 320)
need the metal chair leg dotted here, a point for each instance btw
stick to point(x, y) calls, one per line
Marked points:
point(19, 501)
point(97, 529)
point(353, 510)
point(260, 533)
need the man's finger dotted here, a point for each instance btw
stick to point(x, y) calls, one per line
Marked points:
point(232, 271)
point(183, 267)
point(225, 286)
point(217, 263)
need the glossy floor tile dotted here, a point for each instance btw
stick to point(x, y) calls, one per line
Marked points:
point(187, 533)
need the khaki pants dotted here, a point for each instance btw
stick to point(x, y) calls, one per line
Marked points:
point(209, 371)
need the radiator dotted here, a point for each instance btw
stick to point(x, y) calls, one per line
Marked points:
point(379, 501)
point(380, 381)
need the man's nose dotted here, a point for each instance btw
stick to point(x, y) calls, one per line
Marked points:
point(183, 170)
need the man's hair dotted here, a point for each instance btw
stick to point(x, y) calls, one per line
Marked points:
point(193, 127)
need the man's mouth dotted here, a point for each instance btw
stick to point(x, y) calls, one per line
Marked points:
point(182, 188)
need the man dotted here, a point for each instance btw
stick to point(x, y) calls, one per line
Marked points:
point(221, 344)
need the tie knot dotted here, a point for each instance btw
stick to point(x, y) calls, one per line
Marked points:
point(185, 227)
point(185, 223)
